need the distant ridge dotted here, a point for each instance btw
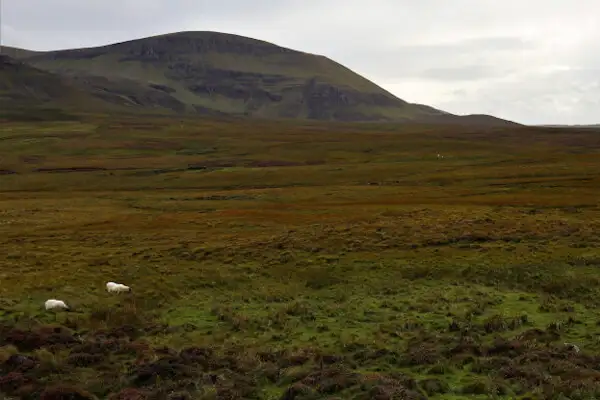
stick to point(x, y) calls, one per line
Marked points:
point(572, 126)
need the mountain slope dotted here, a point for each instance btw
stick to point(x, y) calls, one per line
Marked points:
point(15, 52)
point(27, 91)
point(23, 87)
point(210, 72)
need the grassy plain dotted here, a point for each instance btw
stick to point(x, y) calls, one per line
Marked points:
point(279, 261)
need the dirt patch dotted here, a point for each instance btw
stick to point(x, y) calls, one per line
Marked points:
point(281, 163)
point(223, 198)
point(211, 164)
point(70, 169)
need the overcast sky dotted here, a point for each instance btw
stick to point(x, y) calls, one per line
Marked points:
point(531, 61)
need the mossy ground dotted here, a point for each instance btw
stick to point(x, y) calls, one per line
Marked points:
point(278, 261)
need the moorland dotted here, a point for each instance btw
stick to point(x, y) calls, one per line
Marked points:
point(298, 260)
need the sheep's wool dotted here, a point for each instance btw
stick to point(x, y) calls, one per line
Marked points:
point(52, 304)
point(116, 287)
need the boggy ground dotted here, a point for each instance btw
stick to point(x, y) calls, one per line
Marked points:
point(275, 261)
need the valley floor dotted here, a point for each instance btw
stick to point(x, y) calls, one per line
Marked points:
point(275, 261)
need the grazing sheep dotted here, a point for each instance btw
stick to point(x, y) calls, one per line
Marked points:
point(53, 304)
point(113, 287)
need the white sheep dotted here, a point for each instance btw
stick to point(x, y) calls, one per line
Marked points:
point(113, 287)
point(53, 304)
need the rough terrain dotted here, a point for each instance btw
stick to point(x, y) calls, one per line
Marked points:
point(284, 261)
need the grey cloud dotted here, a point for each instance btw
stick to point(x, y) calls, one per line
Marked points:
point(459, 60)
point(486, 44)
point(571, 96)
point(466, 73)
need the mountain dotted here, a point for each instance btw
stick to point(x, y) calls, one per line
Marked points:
point(218, 73)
